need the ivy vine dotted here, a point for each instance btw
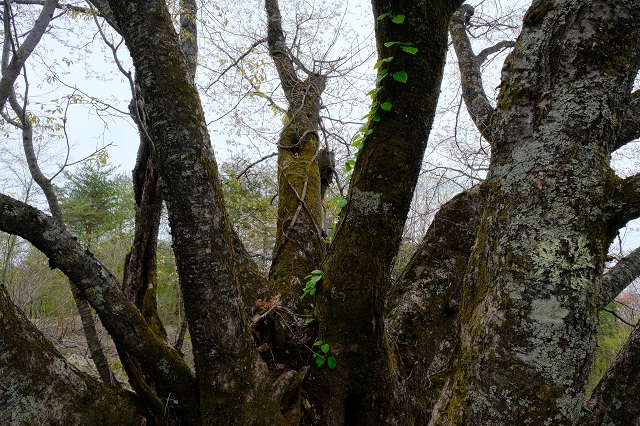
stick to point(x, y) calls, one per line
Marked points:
point(377, 107)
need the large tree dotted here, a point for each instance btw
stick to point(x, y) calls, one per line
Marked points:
point(493, 321)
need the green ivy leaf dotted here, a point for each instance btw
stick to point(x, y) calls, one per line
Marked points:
point(398, 19)
point(386, 106)
point(400, 76)
point(410, 49)
point(384, 15)
point(331, 362)
point(318, 343)
point(382, 75)
point(325, 348)
point(390, 43)
point(349, 165)
point(382, 61)
point(320, 361)
point(376, 118)
point(373, 92)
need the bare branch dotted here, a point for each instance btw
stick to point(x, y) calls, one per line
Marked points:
point(619, 317)
point(236, 62)
point(104, 11)
point(476, 100)
point(246, 169)
point(619, 277)
point(65, 7)
point(500, 46)
point(630, 128)
point(11, 72)
point(278, 50)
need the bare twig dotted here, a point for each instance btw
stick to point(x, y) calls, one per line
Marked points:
point(246, 169)
point(619, 317)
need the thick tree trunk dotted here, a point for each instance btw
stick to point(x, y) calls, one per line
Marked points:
point(53, 392)
point(424, 306)
point(139, 282)
point(364, 388)
point(299, 246)
point(529, 313)
point(231, 377)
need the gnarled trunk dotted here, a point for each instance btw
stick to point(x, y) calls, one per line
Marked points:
point(530, 309)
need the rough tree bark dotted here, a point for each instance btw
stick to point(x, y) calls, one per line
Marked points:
point(226, 361)
point(358, 263)
point(529, 310)
point(70, 397)
point(424, 305)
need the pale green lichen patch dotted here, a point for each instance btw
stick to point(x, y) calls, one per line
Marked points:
point(366, 203)
point(548, 311)
point(570, 254)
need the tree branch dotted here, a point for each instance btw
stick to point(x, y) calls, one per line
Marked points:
point(64, 7)
point(630, 128)
point(121, 319)
point(278, 50)
point(476, 100)
point(619, 277)
point(485, 53)
point(12, 71)
point(246, 169)
point(189, 34)
point(624, 321)
point(425, 303)
point(236, 62)
point(104, 10)
point(627, 201)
